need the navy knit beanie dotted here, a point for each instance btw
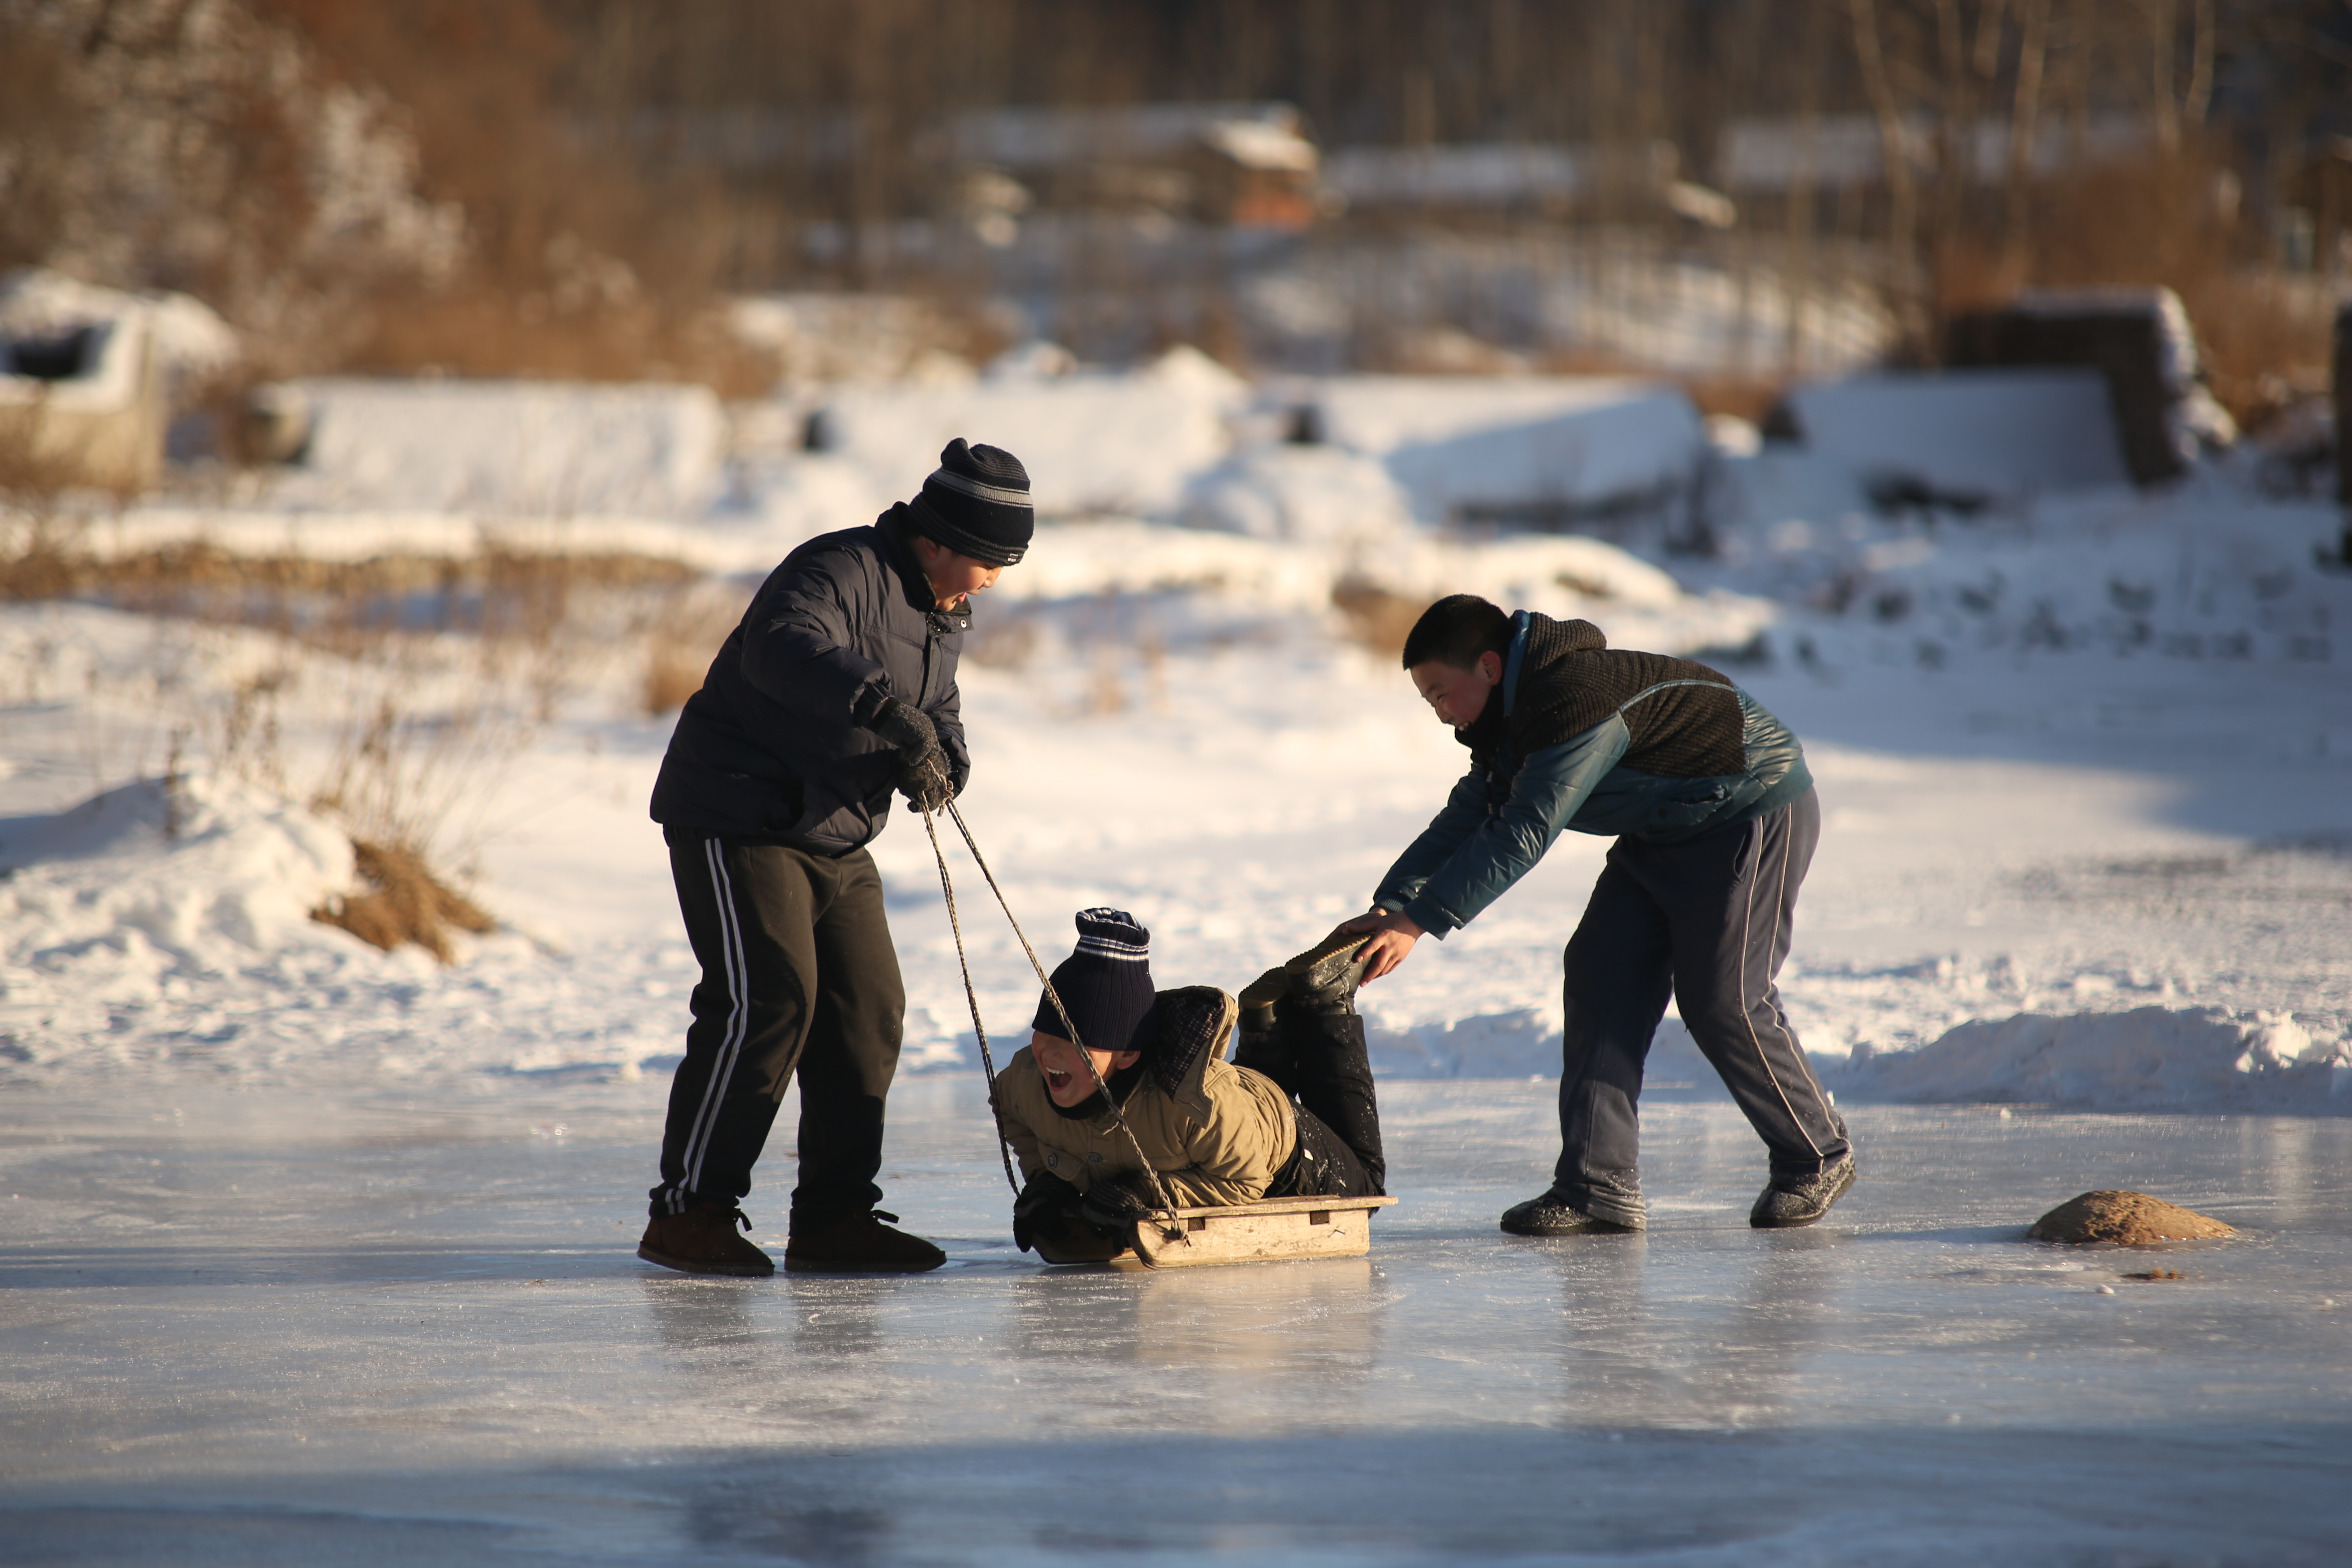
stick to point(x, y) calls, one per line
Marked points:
point(976, 502)
point(1105, 985)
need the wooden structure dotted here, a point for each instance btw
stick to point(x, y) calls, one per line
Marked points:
point(1264, 1232)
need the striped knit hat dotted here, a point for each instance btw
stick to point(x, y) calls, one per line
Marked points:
point(976, 502)
point(1105, 985)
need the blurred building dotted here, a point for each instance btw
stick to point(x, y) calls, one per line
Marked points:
point(1246, 164)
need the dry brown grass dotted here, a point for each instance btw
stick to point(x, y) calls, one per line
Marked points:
point(1746, 398)
point(403, 901)
point(1376, 617)
point(480, 326)
point(682, 635)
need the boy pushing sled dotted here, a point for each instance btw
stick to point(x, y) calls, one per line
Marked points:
point(1713, 814)
point(1292, 1115)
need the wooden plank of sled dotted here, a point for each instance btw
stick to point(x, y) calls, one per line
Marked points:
point(1261, 1231)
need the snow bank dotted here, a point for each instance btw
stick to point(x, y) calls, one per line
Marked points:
point(507, 449)
point(2150, 1058)
point(145, 888)
point(1093, 442)
point(1312, 494)
point(1998, 436)
point(1462, 445)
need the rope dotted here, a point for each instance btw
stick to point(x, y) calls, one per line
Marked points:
point(1163, 1213)
point(971, 998)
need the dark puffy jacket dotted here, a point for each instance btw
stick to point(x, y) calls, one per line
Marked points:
point(1583, 738)
point(775, 747)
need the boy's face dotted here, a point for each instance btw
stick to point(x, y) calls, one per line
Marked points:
point(952, 577)
point(1068, 1082)
point(1458, 696)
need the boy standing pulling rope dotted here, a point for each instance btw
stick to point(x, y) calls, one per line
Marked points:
point(838, 688)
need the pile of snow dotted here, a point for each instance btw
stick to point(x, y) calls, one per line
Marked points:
point(190, 344)
point(507, 449)
point(2150, 1058)
point(1095, 443)
point(1980, 436)
point(1313, 494)
point(1520, 1043)
point(149, 887)
point(1461, 446)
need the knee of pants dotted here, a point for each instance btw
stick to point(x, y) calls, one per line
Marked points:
point(1725, 1018)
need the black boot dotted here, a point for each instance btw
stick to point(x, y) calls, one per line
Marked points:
point(1324, 979)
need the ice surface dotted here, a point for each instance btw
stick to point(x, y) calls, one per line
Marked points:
point(266, 1328)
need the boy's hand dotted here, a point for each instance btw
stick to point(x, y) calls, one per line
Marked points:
point(922, 765)
point(1392, 935)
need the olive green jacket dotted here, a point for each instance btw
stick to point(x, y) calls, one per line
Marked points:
point(1217, 1133)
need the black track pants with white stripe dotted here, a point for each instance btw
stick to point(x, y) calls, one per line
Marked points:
point(1708, 923)
point(798, 975)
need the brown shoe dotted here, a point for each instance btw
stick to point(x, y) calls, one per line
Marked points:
point(703, 1240)
point(860, 1244)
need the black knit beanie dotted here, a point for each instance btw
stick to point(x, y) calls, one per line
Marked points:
point(976, 502)
point(1105, 985)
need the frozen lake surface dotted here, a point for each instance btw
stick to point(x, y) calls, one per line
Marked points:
point(260, 1327)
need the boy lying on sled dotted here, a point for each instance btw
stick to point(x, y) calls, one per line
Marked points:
point(1292, 1115)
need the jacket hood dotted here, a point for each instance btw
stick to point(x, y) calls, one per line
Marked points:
point(1575, 637)
point(1190, 1027)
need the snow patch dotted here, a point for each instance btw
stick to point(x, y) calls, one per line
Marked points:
point(2150, 1058)
point(1986, 434)
point(508, 448)
point(1458, 445)
point(149, 884)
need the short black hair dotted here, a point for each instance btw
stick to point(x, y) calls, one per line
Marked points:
point(1456, 630)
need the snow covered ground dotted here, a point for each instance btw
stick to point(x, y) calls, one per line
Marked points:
point(2086, 770)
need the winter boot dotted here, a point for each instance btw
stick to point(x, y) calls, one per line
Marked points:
point(860, 1244)
point(1324, 979)
point(703, 1240)
point(1786, 1202)
point(1554, 1214)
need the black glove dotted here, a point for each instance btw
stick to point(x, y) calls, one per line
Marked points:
point(1046, 1197)
point(1118, 1200)
point(922, 765)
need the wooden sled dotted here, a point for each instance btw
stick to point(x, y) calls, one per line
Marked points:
point(1263, 1232)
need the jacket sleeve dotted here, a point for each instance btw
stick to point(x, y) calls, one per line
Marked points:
point(946, 716)
point(797, 650)
point(1503, 846)
point(1009, 1119)
point(1465, 808)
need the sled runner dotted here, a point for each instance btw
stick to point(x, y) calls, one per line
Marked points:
point(1263, 1232)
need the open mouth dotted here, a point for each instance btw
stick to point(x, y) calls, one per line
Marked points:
point(1057, 1080)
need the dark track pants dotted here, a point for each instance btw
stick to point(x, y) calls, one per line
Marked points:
point(1708, 923)
point(798, 974)
point(1322, 1061)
